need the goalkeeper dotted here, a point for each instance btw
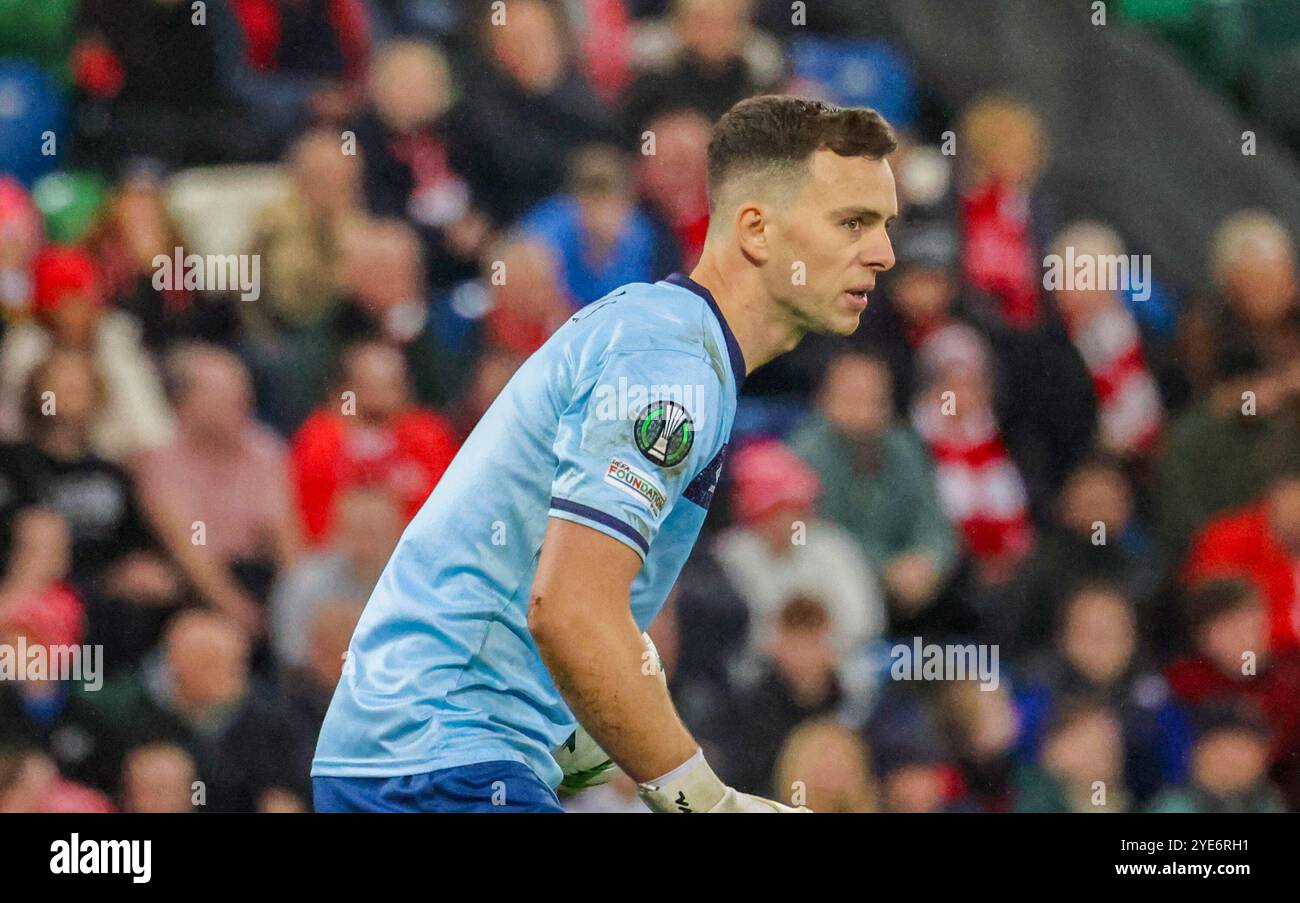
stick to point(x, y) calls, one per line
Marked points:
point(512, 608)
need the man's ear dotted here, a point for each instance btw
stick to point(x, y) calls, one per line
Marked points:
point(753, 220)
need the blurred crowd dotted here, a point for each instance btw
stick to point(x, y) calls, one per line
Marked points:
point(1102, 483)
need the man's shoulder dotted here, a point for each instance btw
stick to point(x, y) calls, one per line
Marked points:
point(659, 305)
point(647, 318)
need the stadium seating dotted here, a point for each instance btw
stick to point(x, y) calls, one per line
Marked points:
point(859, 72)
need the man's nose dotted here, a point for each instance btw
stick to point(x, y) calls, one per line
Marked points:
point(878, 254)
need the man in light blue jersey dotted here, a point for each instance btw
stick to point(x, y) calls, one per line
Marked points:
point(512, 608)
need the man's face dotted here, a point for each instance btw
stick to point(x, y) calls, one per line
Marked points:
point(383, 271)
point(804, 655)
point(1262, 286)
point(1229, 761)
point(1089, 747)
point(1226, 637)
point(219, 399)
point(605, 216)
point(828, 246)
point(714, 31)
point(209, 664)
point(856, 398)
point(378, 375)
point(528, 47)
point(915, 787)
point(75, 321)
point(923, 294)
point(158, 779)
point(1099, 637)
point(1096, 494)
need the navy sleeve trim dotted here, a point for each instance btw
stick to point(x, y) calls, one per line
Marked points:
point(601, 517)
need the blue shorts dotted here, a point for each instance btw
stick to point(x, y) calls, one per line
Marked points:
point(482, 787)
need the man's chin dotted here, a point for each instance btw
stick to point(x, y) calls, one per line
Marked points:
point(838, 323)
point(844, 326)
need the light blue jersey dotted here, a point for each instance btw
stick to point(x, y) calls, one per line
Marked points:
point(619, 422)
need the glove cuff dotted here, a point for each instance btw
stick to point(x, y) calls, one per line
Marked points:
point(690, 787)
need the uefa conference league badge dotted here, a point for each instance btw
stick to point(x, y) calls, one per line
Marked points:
point(664, 433)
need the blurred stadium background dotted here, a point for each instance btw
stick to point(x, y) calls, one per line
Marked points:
point(1116, 504)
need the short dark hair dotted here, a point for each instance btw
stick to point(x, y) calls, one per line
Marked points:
point(1237, 715)
point(1218, 596)
point(778, 130)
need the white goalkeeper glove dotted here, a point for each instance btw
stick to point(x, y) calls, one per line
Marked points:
point(693, 787)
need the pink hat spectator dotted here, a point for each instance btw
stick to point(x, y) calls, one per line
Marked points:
point(768, 476)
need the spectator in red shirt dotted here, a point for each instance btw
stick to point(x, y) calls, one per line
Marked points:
point(1232, 663)
point(1261, 543)
point(376, 435)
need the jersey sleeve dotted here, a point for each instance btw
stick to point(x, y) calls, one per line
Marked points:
point(629, 446)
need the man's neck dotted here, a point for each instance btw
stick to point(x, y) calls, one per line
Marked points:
point(761, 328)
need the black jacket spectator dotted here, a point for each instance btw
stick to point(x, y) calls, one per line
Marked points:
point(520, 143)
point(67, 728)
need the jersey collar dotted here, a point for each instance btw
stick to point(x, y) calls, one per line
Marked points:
point(733, 347)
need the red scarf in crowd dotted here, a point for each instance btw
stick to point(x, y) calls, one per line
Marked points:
point(1129, 401)
point(979, 484)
